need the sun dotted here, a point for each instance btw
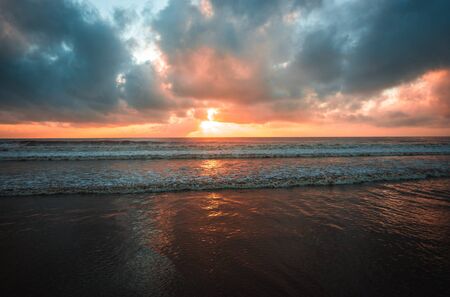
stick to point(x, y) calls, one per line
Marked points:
point(210, 126)
point(211, 112)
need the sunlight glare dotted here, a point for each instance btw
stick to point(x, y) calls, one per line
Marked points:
point(211, 113)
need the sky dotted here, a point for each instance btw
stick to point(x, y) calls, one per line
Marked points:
point(176, 68)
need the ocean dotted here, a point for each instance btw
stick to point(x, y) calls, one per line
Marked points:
point(40, 167)
point(225, 217)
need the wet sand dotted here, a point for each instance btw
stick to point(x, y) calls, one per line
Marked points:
point(384, 239)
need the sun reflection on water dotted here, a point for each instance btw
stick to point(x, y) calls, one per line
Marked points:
point(210, 164)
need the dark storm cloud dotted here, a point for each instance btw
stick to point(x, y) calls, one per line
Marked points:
point(64, 60)
point(59, 61)
point(182, 27)
point(124, 17)
point(403, 39)
point(258, 12)
point(372, 45)
point(140, 85)
point(320, 61)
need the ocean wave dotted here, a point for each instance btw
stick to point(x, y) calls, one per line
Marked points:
point(235, 148)
point(152, 188)
point(80, 156)
point(22, 178)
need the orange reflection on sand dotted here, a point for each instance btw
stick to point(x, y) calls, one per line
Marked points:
point(213, 204)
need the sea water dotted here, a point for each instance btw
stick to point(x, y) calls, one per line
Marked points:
point(39, 167)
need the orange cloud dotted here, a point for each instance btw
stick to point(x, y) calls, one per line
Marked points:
point(424, 101)
point(208, 74)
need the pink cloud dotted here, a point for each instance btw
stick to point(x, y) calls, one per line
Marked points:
point(208, 74)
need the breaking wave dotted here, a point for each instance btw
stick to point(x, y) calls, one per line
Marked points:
point(133, 176)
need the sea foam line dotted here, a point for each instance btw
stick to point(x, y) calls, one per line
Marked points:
point(168, 186)
point(202, 156)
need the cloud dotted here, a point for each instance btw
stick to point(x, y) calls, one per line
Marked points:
point(206, 74)
point(60, 61)
point(64, 63)
point(231, 37)
point(421, 102)
point(142, 89)
point(402, 40)
point(258, 12)
point(258, 61)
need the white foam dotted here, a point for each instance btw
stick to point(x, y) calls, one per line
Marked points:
point(133, 176)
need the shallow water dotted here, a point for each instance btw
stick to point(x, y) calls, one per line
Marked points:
point(382, 239)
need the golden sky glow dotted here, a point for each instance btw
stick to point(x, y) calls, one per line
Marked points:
point(208, 128)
